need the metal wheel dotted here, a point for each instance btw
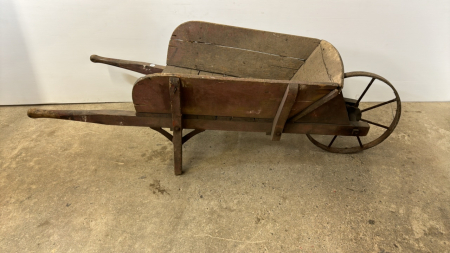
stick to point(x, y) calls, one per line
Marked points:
point(382, 117)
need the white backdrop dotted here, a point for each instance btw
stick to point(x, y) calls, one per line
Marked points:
point(45, 45)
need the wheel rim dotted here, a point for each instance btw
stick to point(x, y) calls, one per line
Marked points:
point(360, 146)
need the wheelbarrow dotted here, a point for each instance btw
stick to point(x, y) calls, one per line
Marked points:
point(228, 78)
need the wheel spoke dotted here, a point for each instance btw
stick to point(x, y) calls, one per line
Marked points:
point(359, 140)
point(331, 143)
point(376, 124)
point(364, 92)
point(378, 105)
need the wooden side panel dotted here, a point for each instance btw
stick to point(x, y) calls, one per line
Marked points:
point(222, 96)
point(151, 94)
point(255, 40)
point(231, 61)
point(324, 65)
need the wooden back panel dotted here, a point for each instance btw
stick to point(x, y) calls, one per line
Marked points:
point(238, 52)
point(222, 96)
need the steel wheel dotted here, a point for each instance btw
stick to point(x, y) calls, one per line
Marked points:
point(362, 111)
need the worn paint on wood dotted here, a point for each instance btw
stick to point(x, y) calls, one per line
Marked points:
point(128, 118)
point(284, 45)
point(223, 96)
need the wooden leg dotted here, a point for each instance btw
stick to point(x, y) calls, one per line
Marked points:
point(177, 139)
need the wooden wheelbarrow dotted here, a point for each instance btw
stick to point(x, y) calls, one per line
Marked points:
point(235, 79)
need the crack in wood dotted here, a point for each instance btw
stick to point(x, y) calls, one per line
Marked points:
point(198, 73)
point(324, 63)
point(243, 49)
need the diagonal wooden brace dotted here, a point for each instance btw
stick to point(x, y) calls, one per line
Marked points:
point(163, 132)
point(170, 137)
point(315, 105)
point(283, 111)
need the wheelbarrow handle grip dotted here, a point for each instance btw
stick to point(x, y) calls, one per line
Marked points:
point(140, 67)
point(98, 59)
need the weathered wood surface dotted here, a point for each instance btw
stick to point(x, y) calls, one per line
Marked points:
point(105, 117)
point(283, 111)
point(223, 96)
point(283, 45)
point(128, 118)
point(231, 61)
point(239, 52)
point(324, 65)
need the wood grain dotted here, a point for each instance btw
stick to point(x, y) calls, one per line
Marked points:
point(223, 96)
point(261, 41)
point(324, 65)
point(231, 61)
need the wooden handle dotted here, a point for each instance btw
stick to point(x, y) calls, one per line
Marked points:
point(37, 113)
point(140, 67)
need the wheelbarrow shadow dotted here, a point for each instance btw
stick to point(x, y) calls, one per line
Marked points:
point(220, 149)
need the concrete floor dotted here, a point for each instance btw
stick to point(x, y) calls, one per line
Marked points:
point(77, 187)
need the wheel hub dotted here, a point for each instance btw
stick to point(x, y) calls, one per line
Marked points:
point(354, 113)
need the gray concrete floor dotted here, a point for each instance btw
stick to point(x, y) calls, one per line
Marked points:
point(77, 187)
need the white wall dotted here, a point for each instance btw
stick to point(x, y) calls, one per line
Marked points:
point(45, 45)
